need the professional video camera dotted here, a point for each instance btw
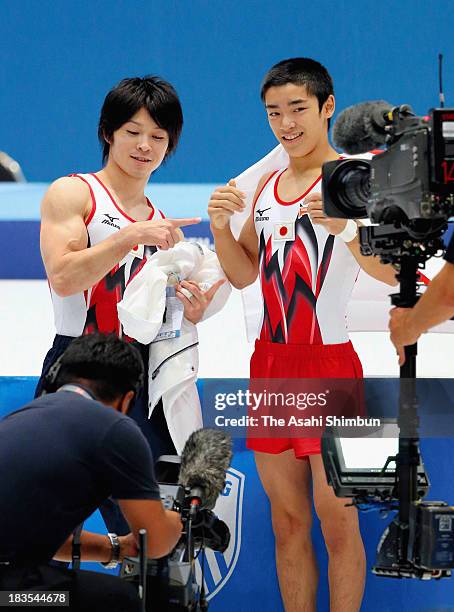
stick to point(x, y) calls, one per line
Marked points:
point(408, 191)
point(193, 484)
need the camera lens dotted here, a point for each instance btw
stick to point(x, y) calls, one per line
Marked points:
point(349, 187)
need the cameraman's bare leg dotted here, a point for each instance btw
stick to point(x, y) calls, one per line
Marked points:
point(287, 482)
point(347, 560)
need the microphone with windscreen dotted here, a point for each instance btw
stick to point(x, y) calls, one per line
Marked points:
point(362, 127)
point(205, 459)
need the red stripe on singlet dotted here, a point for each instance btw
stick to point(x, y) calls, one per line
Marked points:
point(260, 192)
point(92, 195)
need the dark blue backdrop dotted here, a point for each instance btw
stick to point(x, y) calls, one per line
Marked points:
point(59, 59)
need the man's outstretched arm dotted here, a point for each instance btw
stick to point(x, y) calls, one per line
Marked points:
point(433, 308)
point(71, 267)
point(163, 526)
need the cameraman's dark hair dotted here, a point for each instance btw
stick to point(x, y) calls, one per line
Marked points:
point(112, 366)
point(300, 71)
point(122, 102)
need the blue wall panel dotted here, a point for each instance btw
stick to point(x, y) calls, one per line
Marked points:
point(59, 59)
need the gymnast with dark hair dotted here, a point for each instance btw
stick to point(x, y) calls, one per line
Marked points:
point(98, 229)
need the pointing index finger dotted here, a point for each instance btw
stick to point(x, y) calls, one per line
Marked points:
point(184, 222)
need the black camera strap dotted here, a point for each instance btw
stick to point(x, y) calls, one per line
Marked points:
point(76, 547)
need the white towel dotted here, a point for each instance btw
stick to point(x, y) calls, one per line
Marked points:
point(142, 308)
point(173, 363)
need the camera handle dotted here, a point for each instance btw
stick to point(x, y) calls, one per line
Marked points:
point(189, 555)
point(409, 456)
point(143, 557)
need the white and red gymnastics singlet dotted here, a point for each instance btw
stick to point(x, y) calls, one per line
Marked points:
point(306, 277)
point(96, 308)
point(306, 274)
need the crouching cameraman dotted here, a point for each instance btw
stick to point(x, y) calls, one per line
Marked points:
point(61, 456)
point(434, 307)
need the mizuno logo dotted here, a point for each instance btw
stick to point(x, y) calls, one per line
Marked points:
point(260, 212)
point(110, 220)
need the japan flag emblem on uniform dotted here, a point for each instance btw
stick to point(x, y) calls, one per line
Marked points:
point(284, 231)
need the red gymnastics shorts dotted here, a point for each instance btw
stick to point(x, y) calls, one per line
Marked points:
point(283, 361)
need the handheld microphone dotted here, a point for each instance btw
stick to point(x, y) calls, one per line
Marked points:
point(361, 127)
point(205, 458)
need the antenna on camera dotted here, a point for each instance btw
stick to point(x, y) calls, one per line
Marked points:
point(440, 80)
